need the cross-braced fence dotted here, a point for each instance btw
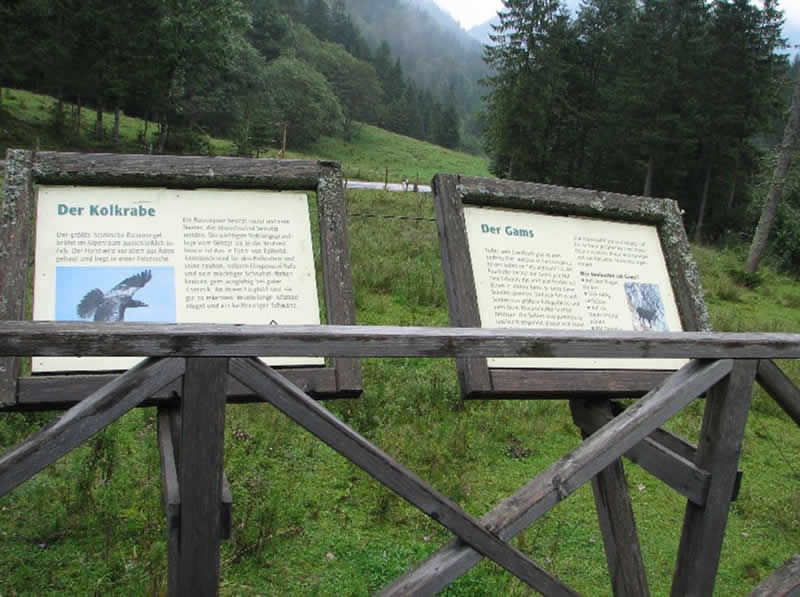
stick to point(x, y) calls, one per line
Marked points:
point(202, 358)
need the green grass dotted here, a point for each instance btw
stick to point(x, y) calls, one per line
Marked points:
point(306, 522)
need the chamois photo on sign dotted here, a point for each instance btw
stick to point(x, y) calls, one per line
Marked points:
point(143, 294)
point(646, 307)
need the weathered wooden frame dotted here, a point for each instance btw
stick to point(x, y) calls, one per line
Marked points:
point(25, 170)
point(476, 379)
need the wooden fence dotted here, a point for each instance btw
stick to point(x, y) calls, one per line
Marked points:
point(197, 503)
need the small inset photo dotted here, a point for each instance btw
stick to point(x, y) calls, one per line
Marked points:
point(646, 307)
point(115, 293)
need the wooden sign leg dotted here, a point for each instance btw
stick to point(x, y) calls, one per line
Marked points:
point(615, 514)
point(202, 433)
point(720, 443)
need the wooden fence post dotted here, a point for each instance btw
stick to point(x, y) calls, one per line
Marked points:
point(16, 233)
point(718, 449)
point(617, 523)
point(202, 433)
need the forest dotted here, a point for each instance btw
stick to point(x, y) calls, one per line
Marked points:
point(676, 98)
point(239, 69)
point(673, 98)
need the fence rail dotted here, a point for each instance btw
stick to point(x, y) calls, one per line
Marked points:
point(200, 359)
point(213, 340)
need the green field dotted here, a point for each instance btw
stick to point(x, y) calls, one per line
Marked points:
point(306, 522)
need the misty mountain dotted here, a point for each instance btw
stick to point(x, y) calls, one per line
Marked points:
point(481, 32)
point(432, 48)
point(444, 18)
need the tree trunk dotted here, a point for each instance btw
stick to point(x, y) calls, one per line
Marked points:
point(98, 123)
point(734, 177)
point(732, 193)
point(117, 115)
point(648, 180)
point(78, 117)
point(162, 134)
point(698, 229)
point(770, 208)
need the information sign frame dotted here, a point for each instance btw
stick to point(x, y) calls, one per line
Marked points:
point(476, 378)
point(26, 170)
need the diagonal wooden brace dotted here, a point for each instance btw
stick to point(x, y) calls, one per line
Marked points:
point(308, 414)
point(675, 470)
point(86, 418)
point(784, 582)
point(780, 387)
point(534, 500)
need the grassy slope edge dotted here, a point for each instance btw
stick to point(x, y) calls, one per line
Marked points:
point(26, 123)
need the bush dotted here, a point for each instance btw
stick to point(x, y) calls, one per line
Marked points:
point(194, 141)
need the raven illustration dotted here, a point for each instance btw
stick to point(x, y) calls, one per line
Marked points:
point(111, 306)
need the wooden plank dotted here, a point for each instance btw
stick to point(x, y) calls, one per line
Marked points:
point(780, 387)
point(683, 448)
point(170, 496)
point(314, 418)
point(617, 523)
point(202, 434)
point(340, 305)
point(174, 171)
point(47, 392)
point(677, 471)
point(459, 281)
point(16, 233)
point(571, 383)
point(535, 499)
point(721, 434)
point(784, 582)
point(44, 338)
point(84, 420)
point(169, 480)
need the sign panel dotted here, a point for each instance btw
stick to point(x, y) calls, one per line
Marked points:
point(172, 256)
point(536, 270)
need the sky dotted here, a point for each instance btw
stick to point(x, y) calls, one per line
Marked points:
point(474, 12)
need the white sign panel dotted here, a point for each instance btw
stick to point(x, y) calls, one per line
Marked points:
point(167, 256)
point(552, 272)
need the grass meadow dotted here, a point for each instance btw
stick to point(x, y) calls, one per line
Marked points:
point(306, 522)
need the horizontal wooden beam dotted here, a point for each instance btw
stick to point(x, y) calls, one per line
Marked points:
point(85, 419)
point(175, 171)
point(670, 467)
point(570, 383)
point(530, 503)
point(317, 420)
point(47, 392)
point(780, 387)
point(26, 338)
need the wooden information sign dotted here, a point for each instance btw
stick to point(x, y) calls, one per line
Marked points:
point(523, 255)
point(167, 239)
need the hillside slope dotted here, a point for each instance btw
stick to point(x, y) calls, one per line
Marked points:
point(25, 122)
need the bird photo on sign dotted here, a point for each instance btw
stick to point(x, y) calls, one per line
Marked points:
point(143, 294)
